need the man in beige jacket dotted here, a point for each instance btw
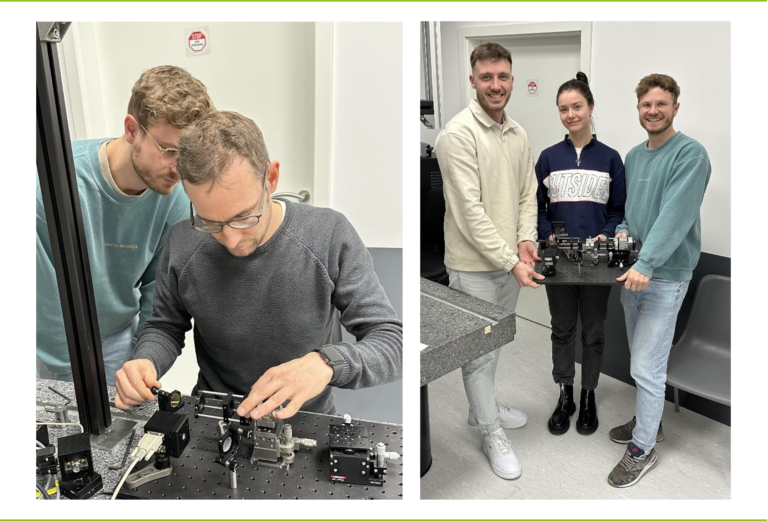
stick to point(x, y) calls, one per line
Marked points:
point(490, 228)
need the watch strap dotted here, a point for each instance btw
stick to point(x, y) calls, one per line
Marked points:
point(334, 360)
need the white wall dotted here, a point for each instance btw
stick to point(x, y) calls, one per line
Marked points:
point(697, 55)
point(265, 71)
point(367, 160)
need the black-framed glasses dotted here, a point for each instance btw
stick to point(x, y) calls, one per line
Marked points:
point(167, 155)
point(239, 223)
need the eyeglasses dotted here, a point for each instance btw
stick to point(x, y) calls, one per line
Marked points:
point(660, 105)
point(167, 155)
point(239, 223)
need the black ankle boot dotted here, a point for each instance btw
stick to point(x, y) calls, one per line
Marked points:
point(587, 422)
point(560, 421)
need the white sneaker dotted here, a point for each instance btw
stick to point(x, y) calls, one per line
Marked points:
point(499, 451)
point(509, 418)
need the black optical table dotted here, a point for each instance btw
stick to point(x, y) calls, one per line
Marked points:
point(455, 329)
point(196, 476)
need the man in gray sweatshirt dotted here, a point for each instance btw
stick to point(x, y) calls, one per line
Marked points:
point(262, 279)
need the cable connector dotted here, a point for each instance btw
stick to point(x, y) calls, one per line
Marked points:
point(148, 445)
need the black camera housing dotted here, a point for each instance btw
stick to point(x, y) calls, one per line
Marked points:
point(174, 427)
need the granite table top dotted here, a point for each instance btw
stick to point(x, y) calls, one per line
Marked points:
point(457, 328)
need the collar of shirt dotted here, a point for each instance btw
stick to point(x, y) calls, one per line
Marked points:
point(483, 117)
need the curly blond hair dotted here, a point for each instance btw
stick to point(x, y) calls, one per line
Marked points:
point(666, 83)
point(211, 144)
point(169, 94)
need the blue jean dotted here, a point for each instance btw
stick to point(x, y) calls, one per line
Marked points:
point(500, 288)
point(650, 317)
point(116, 349)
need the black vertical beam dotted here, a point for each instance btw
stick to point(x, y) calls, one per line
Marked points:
point(58, 184)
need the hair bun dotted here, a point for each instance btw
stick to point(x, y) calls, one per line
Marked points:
point(582, 77)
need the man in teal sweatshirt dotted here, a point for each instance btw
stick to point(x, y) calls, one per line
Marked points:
point(666, 177)
point(128, 203)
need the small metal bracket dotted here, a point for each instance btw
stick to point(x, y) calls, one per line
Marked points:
point(149, 473)
point(120, 429)
point(52, 31)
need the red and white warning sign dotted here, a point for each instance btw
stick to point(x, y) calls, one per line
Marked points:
point(533, 87)
point(197, 40)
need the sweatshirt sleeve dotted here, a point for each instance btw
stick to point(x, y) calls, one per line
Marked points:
point(147, 288)
point(542, 196)
point(162, 338)
point(527, 220)
point(680, 206)
point(457, 158)
point(617, 197)
point(377, 355)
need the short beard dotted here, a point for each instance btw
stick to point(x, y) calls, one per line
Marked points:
point(486, 105)
point(661, 130)
point(146, 175)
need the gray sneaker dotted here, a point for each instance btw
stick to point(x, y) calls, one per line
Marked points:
point(623, 433)
point(632, 467)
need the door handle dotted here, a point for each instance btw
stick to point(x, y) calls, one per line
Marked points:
point(302, 196)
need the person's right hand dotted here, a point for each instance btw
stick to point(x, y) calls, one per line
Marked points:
point(621, 234)
point(525, 275)
point(134, 382)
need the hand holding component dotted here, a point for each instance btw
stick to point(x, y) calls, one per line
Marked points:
point(133, 383)
point(526, 251)
point(634, 280)
point(297, 381)
point(525, 275)
point(621, 234)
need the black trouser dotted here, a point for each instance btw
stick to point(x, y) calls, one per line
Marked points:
point(566, 304)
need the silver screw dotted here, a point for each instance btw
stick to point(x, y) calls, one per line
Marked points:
point(55, 34)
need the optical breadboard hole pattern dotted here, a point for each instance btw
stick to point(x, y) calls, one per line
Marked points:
point(196, 475)
point(568, 273)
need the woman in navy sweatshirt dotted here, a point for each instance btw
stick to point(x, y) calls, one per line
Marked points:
point(581, 182)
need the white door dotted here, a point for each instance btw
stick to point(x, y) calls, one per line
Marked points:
point(543, 62)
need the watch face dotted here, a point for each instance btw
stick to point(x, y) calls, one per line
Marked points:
point(331, 356)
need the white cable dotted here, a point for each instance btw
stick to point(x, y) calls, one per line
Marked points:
point(81, 427)
point(40, 444)
point(128, 471)
point(148, 445)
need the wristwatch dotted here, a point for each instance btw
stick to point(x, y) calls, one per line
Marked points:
point(334, 360)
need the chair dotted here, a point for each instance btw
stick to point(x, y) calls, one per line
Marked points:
point(336, 328)
point(700, 362)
